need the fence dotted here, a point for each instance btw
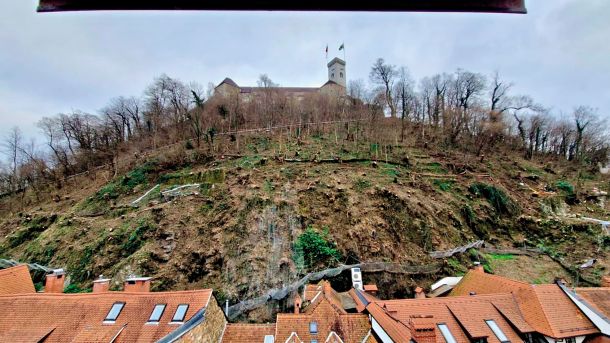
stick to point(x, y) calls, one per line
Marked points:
point(279, 294)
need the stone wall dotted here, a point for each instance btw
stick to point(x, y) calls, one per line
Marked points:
point(211, 329)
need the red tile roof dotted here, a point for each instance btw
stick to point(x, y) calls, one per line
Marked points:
point(247, 333)
point(397, 331)
point(464, 316)
point(16, 280)
point(325, 293)
point(326, 311)
point(545, 307)
point(80, 317)
point(370, 288)
point(598, 297)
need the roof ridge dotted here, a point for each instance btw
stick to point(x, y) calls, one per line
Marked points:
point(518, 308)
point(539, 305)
point(11, 269)
point(455, 298)
point(105, 294)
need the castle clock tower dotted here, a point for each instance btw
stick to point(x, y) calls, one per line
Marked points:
point(336, 71)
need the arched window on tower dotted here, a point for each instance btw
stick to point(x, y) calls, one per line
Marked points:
point(332, 75)
point(341, 75)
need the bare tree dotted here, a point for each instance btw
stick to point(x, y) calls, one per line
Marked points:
point(406, 97)
point(12, 147)
point(583, 116)
point(383, 75)
point(356, 90)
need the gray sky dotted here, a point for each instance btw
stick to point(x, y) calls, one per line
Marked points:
point(559, 53)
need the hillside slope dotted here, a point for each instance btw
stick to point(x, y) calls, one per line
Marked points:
point(236, 227)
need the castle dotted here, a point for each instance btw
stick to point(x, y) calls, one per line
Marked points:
point(335, 86)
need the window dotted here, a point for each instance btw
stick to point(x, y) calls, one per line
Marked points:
point(180, 313)
point(314, 341)
point(332, 75)
point(156, 313)
point(446, 333)
point(341, 75)
point(114, 312)
point(570, 340)
point(313, 327)
point(497, 331)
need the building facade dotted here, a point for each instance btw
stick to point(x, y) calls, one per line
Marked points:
point(335, 86)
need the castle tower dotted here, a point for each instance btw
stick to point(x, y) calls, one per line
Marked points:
point(336, 71)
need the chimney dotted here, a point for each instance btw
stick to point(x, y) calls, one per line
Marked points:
point(135, 284)
point(478, 267)
point(423, 329)
point(101, 285)
point(419, 293)
point(371, 289)
point(54, 281)
point(298, 302)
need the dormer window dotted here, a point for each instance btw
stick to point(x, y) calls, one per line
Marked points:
point(180, 313)
point(446, 333)
point(156, 314)
point(114, 312)
point(313, 328)
point(497, 331)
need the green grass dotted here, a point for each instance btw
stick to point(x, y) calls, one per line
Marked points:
point(361, 184)
point(390, 170)
point(434, 168)
point(444, 185)
point(268, 186)
point(500, 257)
point(248, 162)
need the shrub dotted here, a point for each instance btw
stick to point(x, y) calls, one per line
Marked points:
point(565, 186)
point(444, 185)
point(313, 247)
point(73, 288)
point(136, 238)
point(496, 197)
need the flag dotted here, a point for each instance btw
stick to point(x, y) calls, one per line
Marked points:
point(342, 47)
point(327, 48)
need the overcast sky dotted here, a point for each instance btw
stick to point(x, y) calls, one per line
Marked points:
point(559, 53)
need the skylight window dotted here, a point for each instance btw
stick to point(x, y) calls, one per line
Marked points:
point(180, 313)
point(497, 331)
point(156, 314)
point(446, 333)
point(313, 327)
point(114, 312)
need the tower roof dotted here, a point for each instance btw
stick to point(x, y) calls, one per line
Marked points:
point(228, 81)
point(336, 60)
